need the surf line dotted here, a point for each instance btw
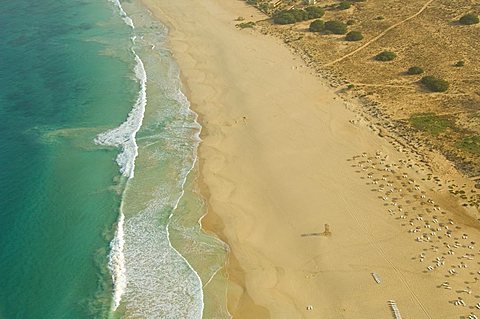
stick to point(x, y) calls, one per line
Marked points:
point(123, 137)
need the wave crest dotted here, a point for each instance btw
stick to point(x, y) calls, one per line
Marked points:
point(124, 135)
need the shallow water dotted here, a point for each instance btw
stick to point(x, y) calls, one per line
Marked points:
point(160, 202)
point(98, 146)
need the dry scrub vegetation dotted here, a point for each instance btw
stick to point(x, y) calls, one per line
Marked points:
point(422, 33)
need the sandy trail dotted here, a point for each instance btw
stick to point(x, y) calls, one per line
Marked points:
point(374, 39)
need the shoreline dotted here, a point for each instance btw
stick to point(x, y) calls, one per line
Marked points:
point(249, 292)
point(160, 281)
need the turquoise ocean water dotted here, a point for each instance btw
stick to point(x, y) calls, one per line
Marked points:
point(65, 74)
point(97, 150)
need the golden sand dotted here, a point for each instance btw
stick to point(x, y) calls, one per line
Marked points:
point(282, 156)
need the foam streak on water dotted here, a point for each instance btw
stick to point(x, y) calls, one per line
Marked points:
point(116, 263)
point(161, 283)
point(124, 137)
point(128, 21)
point(150, 278)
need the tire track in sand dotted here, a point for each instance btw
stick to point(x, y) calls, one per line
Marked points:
point(384, 256)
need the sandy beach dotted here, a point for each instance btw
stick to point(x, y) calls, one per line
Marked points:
point(282, 156)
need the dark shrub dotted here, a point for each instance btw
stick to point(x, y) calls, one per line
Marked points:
point(434, 84)
point(415, 70)
point(469, 19)
point(299, 15)
point(354, 36)
point(460, 63)
point(350, 22)
point(263, 7)
point(314, 12)
point(385, 56)
point(336, 27)
point(344, 5)
point(316, 26)
point(284, 17)
point(290, 16)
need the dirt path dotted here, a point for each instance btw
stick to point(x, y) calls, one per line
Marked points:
point(380, 35)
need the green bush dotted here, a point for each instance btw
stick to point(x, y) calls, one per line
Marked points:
point(415, 70)
point(470, 143)
point(354, 36)
point(430, 122)
point(336, 27)
point(469, 19)
point(295, 15)
point(344, 5)
point(385, 56)
point(284, 18)
point(434, 84)
point(314, 12)
point(264, 7)
point(316, 26)
point(299, 15)
point(460, 63)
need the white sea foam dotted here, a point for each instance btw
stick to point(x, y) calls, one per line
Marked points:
point(155, 280)
point(124, 135)
point(161, 282)
point(116, 262)
point(128, 21)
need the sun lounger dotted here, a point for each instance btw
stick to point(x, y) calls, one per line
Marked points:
point(376, 277)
